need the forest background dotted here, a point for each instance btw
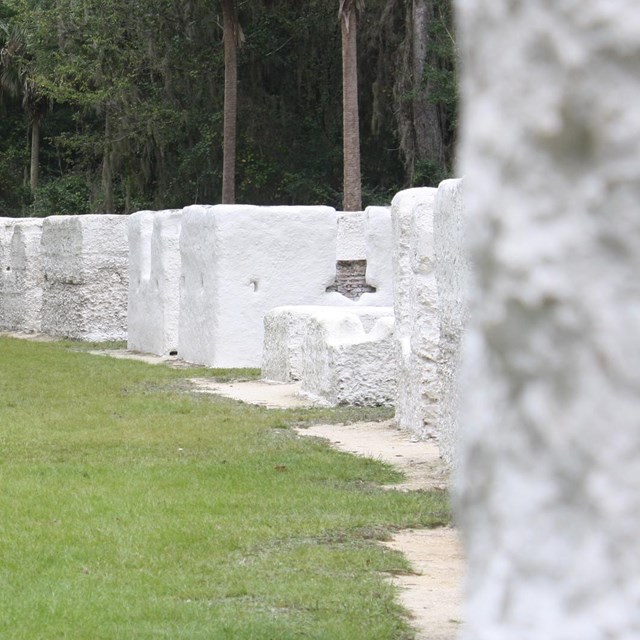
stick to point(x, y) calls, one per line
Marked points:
point(113, 106)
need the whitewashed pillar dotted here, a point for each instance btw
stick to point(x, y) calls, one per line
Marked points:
point(550, 459)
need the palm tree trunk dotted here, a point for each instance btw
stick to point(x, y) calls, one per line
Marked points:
point(428, 132)
point(230, 104)
point(35, 154)
point(352, 196)
point(107, 167)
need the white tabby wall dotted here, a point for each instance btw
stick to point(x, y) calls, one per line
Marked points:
point(154, 281)
point(550, 469)
point(240, 261)
point(86, 277)
point(415, 302)
point(24, 277)
point(452, 276)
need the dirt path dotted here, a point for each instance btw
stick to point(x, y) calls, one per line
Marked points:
point(433, 595)
point(263, 394)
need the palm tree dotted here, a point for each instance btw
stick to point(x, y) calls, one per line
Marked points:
point(352, 187)
point(232, 36)
point(17, 81)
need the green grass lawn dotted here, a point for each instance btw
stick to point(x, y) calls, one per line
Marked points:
point(130, 508)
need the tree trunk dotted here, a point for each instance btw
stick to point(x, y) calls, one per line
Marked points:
point(35, 154)
point(419, 122)
point(426, 118)
point(352, 197)
point(107, 168)
point(230, 103)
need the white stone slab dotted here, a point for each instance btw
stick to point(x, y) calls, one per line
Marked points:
point(344, 364)
point(416, 311)
point(154, 281)
point(86, 277)
point(285, 329)
point(239, 262)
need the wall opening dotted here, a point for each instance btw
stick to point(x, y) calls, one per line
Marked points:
point(350, 279)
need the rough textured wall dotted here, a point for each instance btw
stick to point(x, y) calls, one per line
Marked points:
point(344, 364)
point(240, 261)
point(154, 281)
point(379, 246)
point(415, 301)
point(364, 257)
point(86, 277)
point(285, 329)
point(24, 277)
point(6, 233)
point(452, 277)
point(550, 468)
point(350, 242)
point(140, 303)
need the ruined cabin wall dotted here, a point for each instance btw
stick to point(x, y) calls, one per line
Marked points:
point(240, 261)
point(85, 277)
point(452, 271)
point(24, 277)
point(415, 301)
point(549, 484)
point(154, 281)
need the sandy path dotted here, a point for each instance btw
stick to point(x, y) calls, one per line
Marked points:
point(263, 394)
point(380, 440)
point(433, 595)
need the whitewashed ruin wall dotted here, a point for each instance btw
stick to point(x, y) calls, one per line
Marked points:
point(452, 276)
point(345, 364)
point(140, 300)
point(379, 248)
point(86, 281)
point(154, 281)
point(350, 240)
point(361, 235)
point(285, 329)
point(6, 233)
point(416, 311)
point(241, 261)
point(364, 256)
point(550, 468)
point(24, 277)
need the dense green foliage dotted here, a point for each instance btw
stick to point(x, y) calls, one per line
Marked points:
point(131, 508)
point(129, 98)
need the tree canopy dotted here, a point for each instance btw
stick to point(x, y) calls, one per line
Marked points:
point(128, 97)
